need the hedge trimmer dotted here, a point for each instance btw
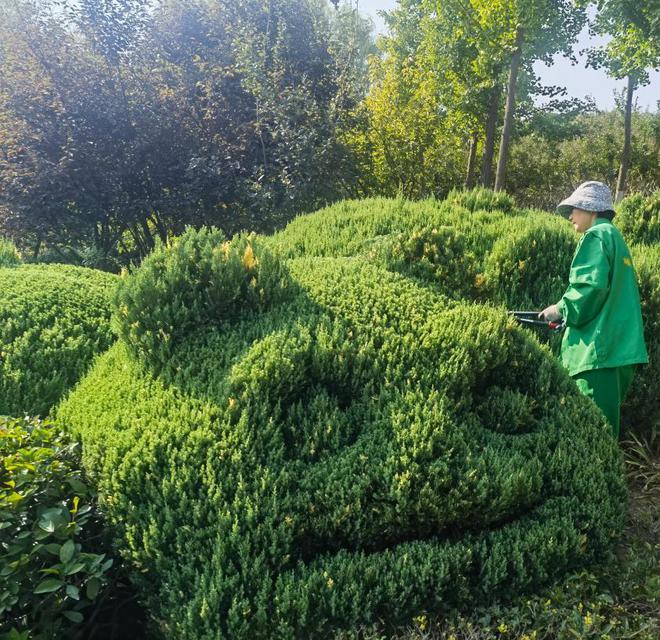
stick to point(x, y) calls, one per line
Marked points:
point(532, 318)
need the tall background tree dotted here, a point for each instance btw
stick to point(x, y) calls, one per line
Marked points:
point(439, 82)
point(633, 49)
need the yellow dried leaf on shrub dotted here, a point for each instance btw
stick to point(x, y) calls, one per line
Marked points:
point(249, 259)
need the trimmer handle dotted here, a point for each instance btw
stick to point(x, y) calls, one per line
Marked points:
point(532, 317)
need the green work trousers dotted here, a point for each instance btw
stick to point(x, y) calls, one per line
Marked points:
point(607, 388)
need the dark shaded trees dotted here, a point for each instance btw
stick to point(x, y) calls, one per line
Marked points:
point(122, 121)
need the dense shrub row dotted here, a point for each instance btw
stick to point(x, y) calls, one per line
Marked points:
point(362, 449)
point(53, 320)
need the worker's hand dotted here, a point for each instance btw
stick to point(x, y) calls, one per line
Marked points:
point(551, 314)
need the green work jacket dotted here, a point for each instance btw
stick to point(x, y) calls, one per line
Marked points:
point(601, 306)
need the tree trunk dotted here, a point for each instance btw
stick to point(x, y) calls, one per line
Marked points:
point(627, 135)
point(489, 143)
point(139, 243)
point(37, 249)
point(472, 156)
point(502, 158)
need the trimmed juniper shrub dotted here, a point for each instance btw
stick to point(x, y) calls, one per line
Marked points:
point(370, 227)
point(362, 450)
point(641, 409)
point(480, 198)
point(638, 218)
point(350, 227)
point(53, 320)
point(200, 277)
point(528, 267)
point(433, 255)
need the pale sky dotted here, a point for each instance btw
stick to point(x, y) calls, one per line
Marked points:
point(578, 80)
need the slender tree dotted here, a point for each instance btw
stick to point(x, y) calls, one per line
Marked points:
point(538, 29)
point(634, 48)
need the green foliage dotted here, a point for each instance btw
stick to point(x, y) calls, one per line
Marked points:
point(548, 162)
point(641, 409)
point(518, 259)
point(329, 461)
point(633, 46)
point(529, 269)
point(358, 227)
point(53, 320)
point(9, 256)
point(47, 517)
point(614, 600)
point(638, 218)
point(435, 255)
point(479, 199)
point(405, 143)
point(351, 227)
point(199, 278)
point(246, 101)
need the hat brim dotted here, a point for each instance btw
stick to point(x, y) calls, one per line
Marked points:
point(564, 210)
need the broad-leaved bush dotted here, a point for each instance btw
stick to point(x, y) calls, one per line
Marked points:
point(50, 570)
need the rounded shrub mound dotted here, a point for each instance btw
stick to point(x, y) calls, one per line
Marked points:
point(638, 218)
point(200, 277)
point(350, 227)
point(53, 320)
point(480, 198)
point(362, 450)
point(528, 267)
point(440, 256)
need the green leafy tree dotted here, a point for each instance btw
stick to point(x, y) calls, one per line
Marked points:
point(441, 75)
point(467, 59)
point(535, 30)
point(553, 150)
point(634, 48)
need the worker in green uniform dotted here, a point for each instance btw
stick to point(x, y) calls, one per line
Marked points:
point(604, 339)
